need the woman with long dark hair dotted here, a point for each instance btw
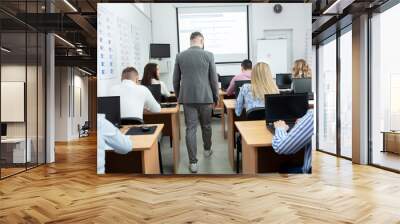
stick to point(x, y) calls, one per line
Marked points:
point(151, 75)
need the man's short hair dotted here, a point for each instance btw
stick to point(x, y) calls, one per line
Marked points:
point(126, 73)
point(196, 34)
point(246, 64)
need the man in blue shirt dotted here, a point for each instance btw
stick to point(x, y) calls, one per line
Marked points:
point(298, 138)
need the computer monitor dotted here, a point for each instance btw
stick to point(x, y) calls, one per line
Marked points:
point(155, 89)
point(160, 51)
point(284, 80)
point(111, 107)
point(238, 85)
point(225, 81)
point(3, 129)
point(286, 107)
point(303, 85)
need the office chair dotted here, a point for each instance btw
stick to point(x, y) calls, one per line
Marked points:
point(84, 129)
point(131, 121)
point(257, 113)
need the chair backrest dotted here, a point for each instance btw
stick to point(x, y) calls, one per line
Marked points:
point(131, 121)
point(238, 85)
point(86, 125)
point(257, 113)
point(155, 90)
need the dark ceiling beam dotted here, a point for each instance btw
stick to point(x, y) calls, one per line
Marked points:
point(82, 61)
point(86, 27)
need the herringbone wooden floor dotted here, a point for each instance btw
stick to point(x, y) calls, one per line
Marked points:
point(69, 191)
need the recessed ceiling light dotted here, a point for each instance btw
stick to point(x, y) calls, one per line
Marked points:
point(5, 50)
point(64, 40)
point(70, 5)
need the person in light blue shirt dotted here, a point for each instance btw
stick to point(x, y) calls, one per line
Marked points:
point(252, 95)
point(109, 137)
point(299, 137)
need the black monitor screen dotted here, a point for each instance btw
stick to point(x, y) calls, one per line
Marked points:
point(160, 51)
point(111, 107)
point(238, 85)
point(225, 81)
point(284, 81)
point(155, 89)
point(287, 107)
point(3, 129)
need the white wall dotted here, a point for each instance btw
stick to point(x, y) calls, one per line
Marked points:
point(67, 115)
point(296, 17)
point(128, 47)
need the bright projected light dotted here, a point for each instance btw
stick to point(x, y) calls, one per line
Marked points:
point(224, 30)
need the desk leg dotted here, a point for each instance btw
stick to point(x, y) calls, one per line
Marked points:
point(249, 158)
point(151, 164)
point(175, 140)
point(231, 138)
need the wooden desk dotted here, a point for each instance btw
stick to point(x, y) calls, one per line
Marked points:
point(220, 107)
point(230, 111)
point(254, 135)
point(391, 141)
point(148, 145)
point(170, 118)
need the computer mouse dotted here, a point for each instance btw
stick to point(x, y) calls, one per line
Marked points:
point(145, 128)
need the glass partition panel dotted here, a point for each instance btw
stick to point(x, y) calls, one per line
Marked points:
point(327, 97)
point(346, 94)
point(385, 84)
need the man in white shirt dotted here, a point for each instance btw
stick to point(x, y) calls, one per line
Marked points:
point(134, 98)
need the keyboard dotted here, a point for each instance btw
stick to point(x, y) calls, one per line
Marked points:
point(271, 127)
point(168, 105)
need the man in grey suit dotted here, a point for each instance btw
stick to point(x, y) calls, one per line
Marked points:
point(196, 86)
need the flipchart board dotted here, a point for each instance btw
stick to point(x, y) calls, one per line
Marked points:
point(274, 52)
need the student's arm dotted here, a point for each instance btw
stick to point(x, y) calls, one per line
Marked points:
point(164, 90)
point(231, 89)
point(150, 103)
point(213, 79)
point(300, 135)
point(114, 138)
point(240, 101)
point(176, 79)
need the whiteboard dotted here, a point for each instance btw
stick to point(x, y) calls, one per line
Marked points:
point(12, 101)
point(274, 52)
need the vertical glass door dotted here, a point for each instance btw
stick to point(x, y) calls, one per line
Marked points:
point(346, 94)
point(327, 97)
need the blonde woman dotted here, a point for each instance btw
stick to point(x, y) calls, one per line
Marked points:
point(301, 69)
point(252, 95)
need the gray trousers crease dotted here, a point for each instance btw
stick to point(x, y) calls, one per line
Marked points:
point(193, 113)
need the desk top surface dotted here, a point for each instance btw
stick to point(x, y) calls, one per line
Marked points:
point(230, 103)
point(255, 133)
point(166, 110)
point(143, 142)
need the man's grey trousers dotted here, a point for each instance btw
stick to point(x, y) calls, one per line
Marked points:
point(193, 113)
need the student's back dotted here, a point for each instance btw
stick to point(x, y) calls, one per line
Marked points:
point(134, 99)
point(252, 95)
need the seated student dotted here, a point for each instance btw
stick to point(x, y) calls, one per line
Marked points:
point(252, 95)
point(298, 138)
point(244, 75)
point(109, 136)
point(134, 98)
point(301, 69)
point(151, 75)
